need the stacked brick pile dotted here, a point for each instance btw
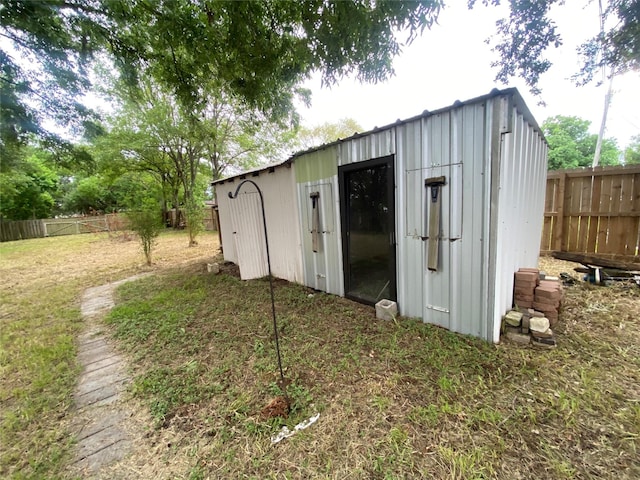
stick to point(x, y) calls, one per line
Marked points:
point(526, 282)
point(547, 299)
point(537, 304)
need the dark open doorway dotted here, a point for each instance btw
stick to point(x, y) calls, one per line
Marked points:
point(368, 229)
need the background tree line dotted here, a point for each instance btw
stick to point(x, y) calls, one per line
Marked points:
point(198, 90)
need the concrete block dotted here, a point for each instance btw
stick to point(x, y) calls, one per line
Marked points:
point(213, 268)
point(519, 338)
point(513, 318)
point(386, 309)
point(539, 324)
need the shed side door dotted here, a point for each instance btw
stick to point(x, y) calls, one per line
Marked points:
point(438, 283)
point(248, 235)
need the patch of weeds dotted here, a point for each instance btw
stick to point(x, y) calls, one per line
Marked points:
point(425, 416)
point(393, 454)
point(447, 384)
point(464, 464)
point(300, 397)
point(561, 468)
point(565, 406)
point(170, 388)
point(197, 472)
point(485, 415)
point(258, 428)
point(381, 402)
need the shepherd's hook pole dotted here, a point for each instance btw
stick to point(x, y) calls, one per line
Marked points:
point(273, 304)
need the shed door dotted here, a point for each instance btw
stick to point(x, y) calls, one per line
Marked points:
point(248, 235)
point(318, 225)
point(438, 283)
point(368, 229)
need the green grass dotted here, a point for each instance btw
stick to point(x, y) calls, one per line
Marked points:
point(42, 283)
point(397, 400)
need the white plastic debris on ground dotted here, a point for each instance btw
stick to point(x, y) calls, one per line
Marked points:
point(286, 433)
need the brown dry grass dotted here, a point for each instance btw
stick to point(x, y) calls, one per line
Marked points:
point(42, 281)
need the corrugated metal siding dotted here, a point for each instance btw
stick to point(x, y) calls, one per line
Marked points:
point(523, 167)
point(488, 229)
point(248, 234)
point(452, 144)
point(243, 216)
point(224, 215)
point(318, 172)
point(375, 145)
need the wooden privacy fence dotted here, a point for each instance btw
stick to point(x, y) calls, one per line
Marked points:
point(593, 210)
point(50, 227)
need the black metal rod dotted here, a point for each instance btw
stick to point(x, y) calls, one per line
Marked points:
point(273, 304)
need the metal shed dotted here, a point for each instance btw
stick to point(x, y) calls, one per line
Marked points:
point(436, 212)
point(241, 227)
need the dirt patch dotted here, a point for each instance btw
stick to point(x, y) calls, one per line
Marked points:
point(231, 269)
point(278, 407)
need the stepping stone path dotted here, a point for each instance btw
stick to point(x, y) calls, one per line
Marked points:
point(100, 424)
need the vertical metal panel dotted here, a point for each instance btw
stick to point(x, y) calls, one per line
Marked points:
point(523, 164)
point(453, 144)
point(374, 145)
point(243, 216)
point(469, 254)
point(248, 234)
point(410, 212)
point(318, 171)
point(224, 215)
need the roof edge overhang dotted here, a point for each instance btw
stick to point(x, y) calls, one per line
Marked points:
point(512, 91)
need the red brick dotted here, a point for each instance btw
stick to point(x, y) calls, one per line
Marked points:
point(524, 304)
point(548, 293)
point(524, 291)
point(525, 298)
point(550, 302)
point(525, 269)
point(545, 308)
point(525, 285)
point(555, 284)
point(527, 276)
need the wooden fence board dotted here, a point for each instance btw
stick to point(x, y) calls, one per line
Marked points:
point(593, 211)
point(20, 230)
point(594, 223)
point(49, 227)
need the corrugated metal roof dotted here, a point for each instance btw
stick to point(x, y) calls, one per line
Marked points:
point(518, 103)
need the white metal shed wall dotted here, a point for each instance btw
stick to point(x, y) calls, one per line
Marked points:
point(494, 162)
point(453, 143)
point(243, 216)
point(521, 184)
point(318, 172)
point(375, 145)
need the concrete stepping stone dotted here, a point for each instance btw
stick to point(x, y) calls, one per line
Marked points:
point(101, 414)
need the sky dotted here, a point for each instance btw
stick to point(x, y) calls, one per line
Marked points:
point(453, 62)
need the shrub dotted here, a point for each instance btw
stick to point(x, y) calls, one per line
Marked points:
point(147, 223)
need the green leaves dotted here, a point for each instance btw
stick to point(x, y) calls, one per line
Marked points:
point(632, 152)
point(529, 32)
point(572, 146)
